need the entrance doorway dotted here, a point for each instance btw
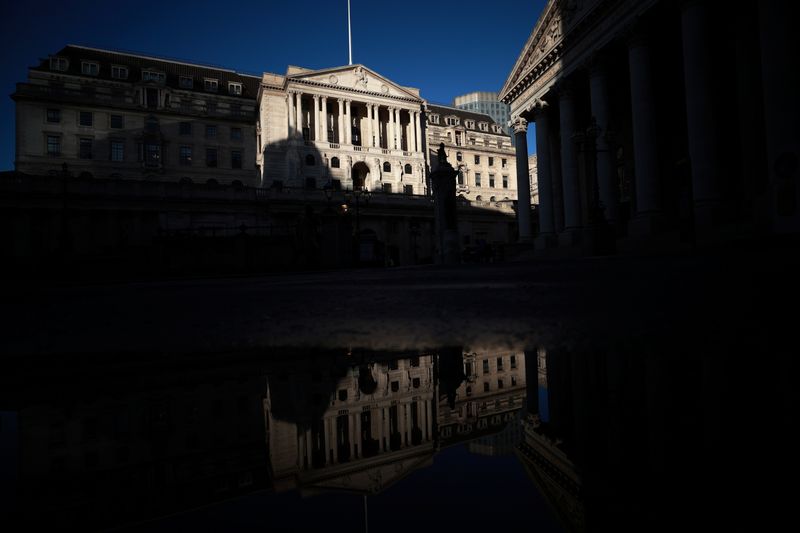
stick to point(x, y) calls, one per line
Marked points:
point(360, 175)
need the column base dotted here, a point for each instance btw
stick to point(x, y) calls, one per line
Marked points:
point(545, 241)
point(646, 224)
point(570, 237)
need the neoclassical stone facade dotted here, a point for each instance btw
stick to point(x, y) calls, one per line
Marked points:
point(659, 119)
point(343, 128)
point(109, 114)
point(478, 148)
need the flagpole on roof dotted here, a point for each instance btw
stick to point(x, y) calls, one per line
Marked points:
point(349, 34)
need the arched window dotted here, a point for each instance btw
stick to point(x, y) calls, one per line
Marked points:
point(335, 162)
point(407, 169)
point(478, 198)
point(459, 157)
point(492, 199)
point(310, 161)
point(387, 167)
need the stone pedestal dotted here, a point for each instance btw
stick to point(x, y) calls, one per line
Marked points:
point(443, 180)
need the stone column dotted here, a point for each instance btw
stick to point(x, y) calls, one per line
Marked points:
point(317, 123)
point(544, 178)
point(367, 140)
point(398, 130)
point(781, 83)
point(418, 130)
point(701, 126)
point(569, 166)
point(341, 120)
point(523, 180)
point(299, 115)
point(390, 129)
point(324, 120)
point(413, 131)
point(606, 165)
point(644, 137)
point(292, 114)
point(348, 128)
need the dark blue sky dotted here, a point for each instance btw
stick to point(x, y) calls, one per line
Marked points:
point(444, 48)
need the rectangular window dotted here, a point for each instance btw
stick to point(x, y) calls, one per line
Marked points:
point(117, 122)
point(504, 162)
point(152, 154)
point(236, 134)
point(408, 189)
point(117, 151)
point(387, 187)
point(505, 182)
point(89, 68)
point(186, 155)
point(53, 145)
point(499, 383)
point(59, 63)
point(491, 161)
point(150, 75)
point(499, 363)
point(185, 128)
point(485, 366)
point(477, 160)
point(210, 85)
point(211, 157)
point(513, 361)
point(491, 180)
point(236, 159)
point(86, 118)
point(235, 88)
point(53, 115)
point(211, 132)
point(477, 179)
point(119, 73)
point(186, 82)
point(85, 151)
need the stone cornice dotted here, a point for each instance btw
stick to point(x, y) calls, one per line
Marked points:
point(349, 90)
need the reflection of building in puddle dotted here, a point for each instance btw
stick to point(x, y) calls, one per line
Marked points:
point(374, 426)
point(541, 453)
point(486, 402)
point(375, 420)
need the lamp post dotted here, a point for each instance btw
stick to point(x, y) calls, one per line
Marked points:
point(357, 194)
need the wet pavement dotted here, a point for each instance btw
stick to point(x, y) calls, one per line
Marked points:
point(588, 395)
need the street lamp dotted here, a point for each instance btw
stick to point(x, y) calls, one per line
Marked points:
point(358, 194)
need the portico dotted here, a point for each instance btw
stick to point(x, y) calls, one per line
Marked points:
point(340, 117)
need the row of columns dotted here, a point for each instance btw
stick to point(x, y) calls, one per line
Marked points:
point(701, 138)
point(372, 130)
point(380, 429)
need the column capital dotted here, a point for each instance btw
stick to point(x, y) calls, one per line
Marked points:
point(520, 125)
point(340, 100)
point(315, 96)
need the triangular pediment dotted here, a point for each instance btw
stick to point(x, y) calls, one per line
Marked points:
point(546, 35)
point(354, 78)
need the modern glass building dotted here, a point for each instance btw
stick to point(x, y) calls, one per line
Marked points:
point(485, 102)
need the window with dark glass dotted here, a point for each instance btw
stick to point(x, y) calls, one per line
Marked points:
point(117, 122)
point(185, 82)
point(477, 179)
point(499, 363)
point(503, 162)
point(211, 132)
point(53, 145)
point(485, 386)
point(117, 151)
point(477, 160)
point(491, 161)
point(53, 115)
point(407, 169)
point(211, 157)
point(387, 167)
point(491, 180)
point(210, 85)
point(85, 151)
point(513, 361)
point(459, 156)
point(86, 118)
point(235, 88)
point(59, 63)
point(89, 68)
point(386, 187)
point(185, 128)
point(236, 134)
point(505, 182)
point(118, 72)
point(485, 366)
point(335, 162)
point(236, 159)
point(408, 189)
point(186, 155)
point(152, 154)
